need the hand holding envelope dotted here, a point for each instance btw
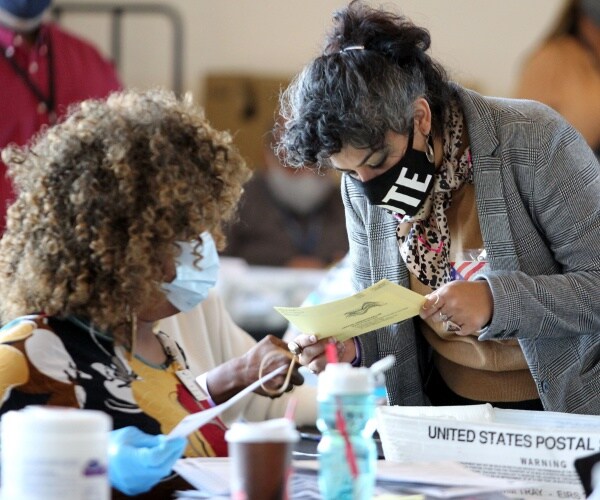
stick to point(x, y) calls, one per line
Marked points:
point(380, 305)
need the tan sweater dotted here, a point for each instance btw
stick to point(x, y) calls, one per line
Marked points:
point(564, 75)
point(479, 370)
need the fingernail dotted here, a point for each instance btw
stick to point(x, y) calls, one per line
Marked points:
point(312, 338)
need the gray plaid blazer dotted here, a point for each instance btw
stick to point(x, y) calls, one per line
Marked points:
point(537, 186)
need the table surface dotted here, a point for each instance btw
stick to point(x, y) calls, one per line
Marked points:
point(162, 491)
point(165, 489)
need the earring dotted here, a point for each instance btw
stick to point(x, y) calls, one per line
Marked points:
point(429, 151)
point(131, 318)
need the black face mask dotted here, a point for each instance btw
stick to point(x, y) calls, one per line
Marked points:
point(404, 187)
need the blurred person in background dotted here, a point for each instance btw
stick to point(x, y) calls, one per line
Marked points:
point(288, 218)
point(564, 71)
point(43, 70)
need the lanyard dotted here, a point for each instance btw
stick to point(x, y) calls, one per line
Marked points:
point(119, 356)
point(47, 101)
point(172, 350)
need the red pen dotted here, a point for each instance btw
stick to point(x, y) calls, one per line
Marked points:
point(340, 422)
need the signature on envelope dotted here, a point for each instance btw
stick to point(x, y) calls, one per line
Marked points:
point(363, 309)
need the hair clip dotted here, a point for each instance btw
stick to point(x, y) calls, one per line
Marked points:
point(353, 47)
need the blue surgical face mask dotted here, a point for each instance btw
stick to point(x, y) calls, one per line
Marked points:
point(191, 285)
point(22, 15)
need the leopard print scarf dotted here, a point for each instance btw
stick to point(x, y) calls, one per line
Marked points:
point(425, 248)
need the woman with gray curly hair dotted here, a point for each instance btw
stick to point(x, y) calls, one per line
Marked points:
point(489, 207)
point(116, 225)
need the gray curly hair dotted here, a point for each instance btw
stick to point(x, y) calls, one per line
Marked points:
point(373, 68)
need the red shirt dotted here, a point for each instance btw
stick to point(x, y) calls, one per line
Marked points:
point(79, 72)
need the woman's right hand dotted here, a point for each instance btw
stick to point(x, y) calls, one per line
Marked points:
point(313, 352)
point(137, 461)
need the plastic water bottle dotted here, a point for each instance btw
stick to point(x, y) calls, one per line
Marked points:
point(347, 451)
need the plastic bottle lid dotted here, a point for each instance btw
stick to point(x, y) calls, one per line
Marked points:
point(55, 420)
point(344, 379)
point(274, 430)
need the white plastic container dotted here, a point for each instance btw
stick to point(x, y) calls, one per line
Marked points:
point(51, 453)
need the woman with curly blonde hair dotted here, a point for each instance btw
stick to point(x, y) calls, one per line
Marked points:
point(103, 196)
point(111, 232)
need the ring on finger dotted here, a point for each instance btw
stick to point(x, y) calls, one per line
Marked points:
point(443, 317)
point(451, 326)
point(295, 348)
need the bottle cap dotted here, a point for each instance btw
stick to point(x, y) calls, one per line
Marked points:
point(42, 420)
point(274, 430)
point(343, 379)
point(55, 453)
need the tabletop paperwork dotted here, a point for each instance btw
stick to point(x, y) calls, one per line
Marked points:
point(382, 304)
point(444, 479)
point(536, 446)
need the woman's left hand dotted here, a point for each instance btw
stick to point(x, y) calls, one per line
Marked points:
point(229, 378)
point(464, 307)
point(279, 355)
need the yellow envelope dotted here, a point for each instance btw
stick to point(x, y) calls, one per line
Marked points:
point(380, 305)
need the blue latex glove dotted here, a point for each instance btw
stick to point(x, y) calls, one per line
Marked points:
point(137, 461)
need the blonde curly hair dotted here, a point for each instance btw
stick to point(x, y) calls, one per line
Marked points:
point(102, 198)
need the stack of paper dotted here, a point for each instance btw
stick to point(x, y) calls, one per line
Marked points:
point(210, 476)
point(535, 446)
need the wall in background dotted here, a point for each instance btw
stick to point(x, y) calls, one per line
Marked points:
point(482, 43)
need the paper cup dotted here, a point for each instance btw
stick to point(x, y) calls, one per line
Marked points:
point(261, 458)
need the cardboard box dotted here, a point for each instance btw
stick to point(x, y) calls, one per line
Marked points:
point(245, 105)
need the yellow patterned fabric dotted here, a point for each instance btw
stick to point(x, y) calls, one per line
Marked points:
point(49, 361)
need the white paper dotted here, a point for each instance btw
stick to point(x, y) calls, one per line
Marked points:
point(438, 473)
point(379, 305)
point(209, 475)
point(194, 421)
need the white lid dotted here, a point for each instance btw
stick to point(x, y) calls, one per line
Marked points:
point(54, 419)
point(343, 379)
point(274, 430)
